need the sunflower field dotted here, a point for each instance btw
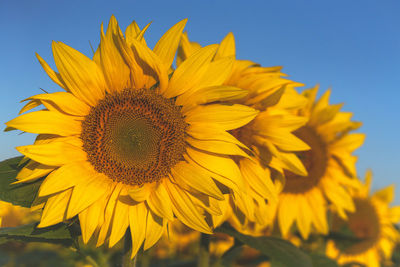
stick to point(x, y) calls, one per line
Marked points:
point(186, 155)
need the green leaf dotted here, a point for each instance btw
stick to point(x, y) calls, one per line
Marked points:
point(229, 257)
point(281, 253)
point(19, 194)
point(58, 234)
point(4, 258)
point(344, 238)
point(322, 260)
point(43, 257)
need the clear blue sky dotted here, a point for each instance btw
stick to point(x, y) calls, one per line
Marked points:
point(351, 46)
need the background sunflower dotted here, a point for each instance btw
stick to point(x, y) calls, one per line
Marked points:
point(330, 164)
point(372, 226)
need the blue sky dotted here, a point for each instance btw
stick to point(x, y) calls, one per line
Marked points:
point(352, 47)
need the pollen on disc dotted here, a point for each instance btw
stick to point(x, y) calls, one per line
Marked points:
point(134, 136)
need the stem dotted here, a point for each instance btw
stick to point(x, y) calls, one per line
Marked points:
point(145, 259)
point(90, 260)
point(126, 256)
point(204, 255)
point(78, 250)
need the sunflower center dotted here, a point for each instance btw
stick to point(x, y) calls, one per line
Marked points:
point(363, 224)
point(314, 160)
point(134, 136)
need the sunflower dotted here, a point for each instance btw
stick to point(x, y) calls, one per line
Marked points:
point(183, 242)
point(330, 166)
point(11, 215)
point(180, 237)
point(127, 146)
point(179, 241)
point(372, 223)
point(269, 138)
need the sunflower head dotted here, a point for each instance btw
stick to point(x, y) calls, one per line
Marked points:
point(131, 142)
point(371, 225)
point(329, 167)
point(135, 136)
point(268, 139)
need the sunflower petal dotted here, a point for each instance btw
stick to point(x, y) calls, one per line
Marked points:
point(28, 106)
point(206, 203)
point(186, 49)
point(291, 162)
point(46, 122)
point(218, 72)
point(221, 165)
point(190, 72)
point(317, 204)
point(245, 204)
point(337, 194)
point(81, 75)
point(54, 153)
point(168, 43)
point(196, 178)
point(304, 217)
point(160, 203)
point(386, 194)
point(224, 116)
point(154, 229)
point(287, 212)
point(227, 47)
point(151, 65)
point(87, 192)
point(56, 77)
point(259, 179)
point(210, 94)
point(349, 143)
point(63, 102)
point(55, 209)
point(137, 220)
point(133, 32)
point(116, 72)
point(285, 140)
point(140, 194)
point(120, 222)
point(204, 131)
point(32, 171)
point(219, 147)
point(91, 218)
point(63, 178)
point(185, 209)
point(108, 213)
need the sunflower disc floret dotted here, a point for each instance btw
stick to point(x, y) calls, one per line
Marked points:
point(134, 136)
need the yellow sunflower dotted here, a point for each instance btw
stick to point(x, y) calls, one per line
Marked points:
point(330, 166)
point(179, 237)
point(372, 222)
point(125, 146)
point(181, 241)
point(269, 137)
point(11, 215)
